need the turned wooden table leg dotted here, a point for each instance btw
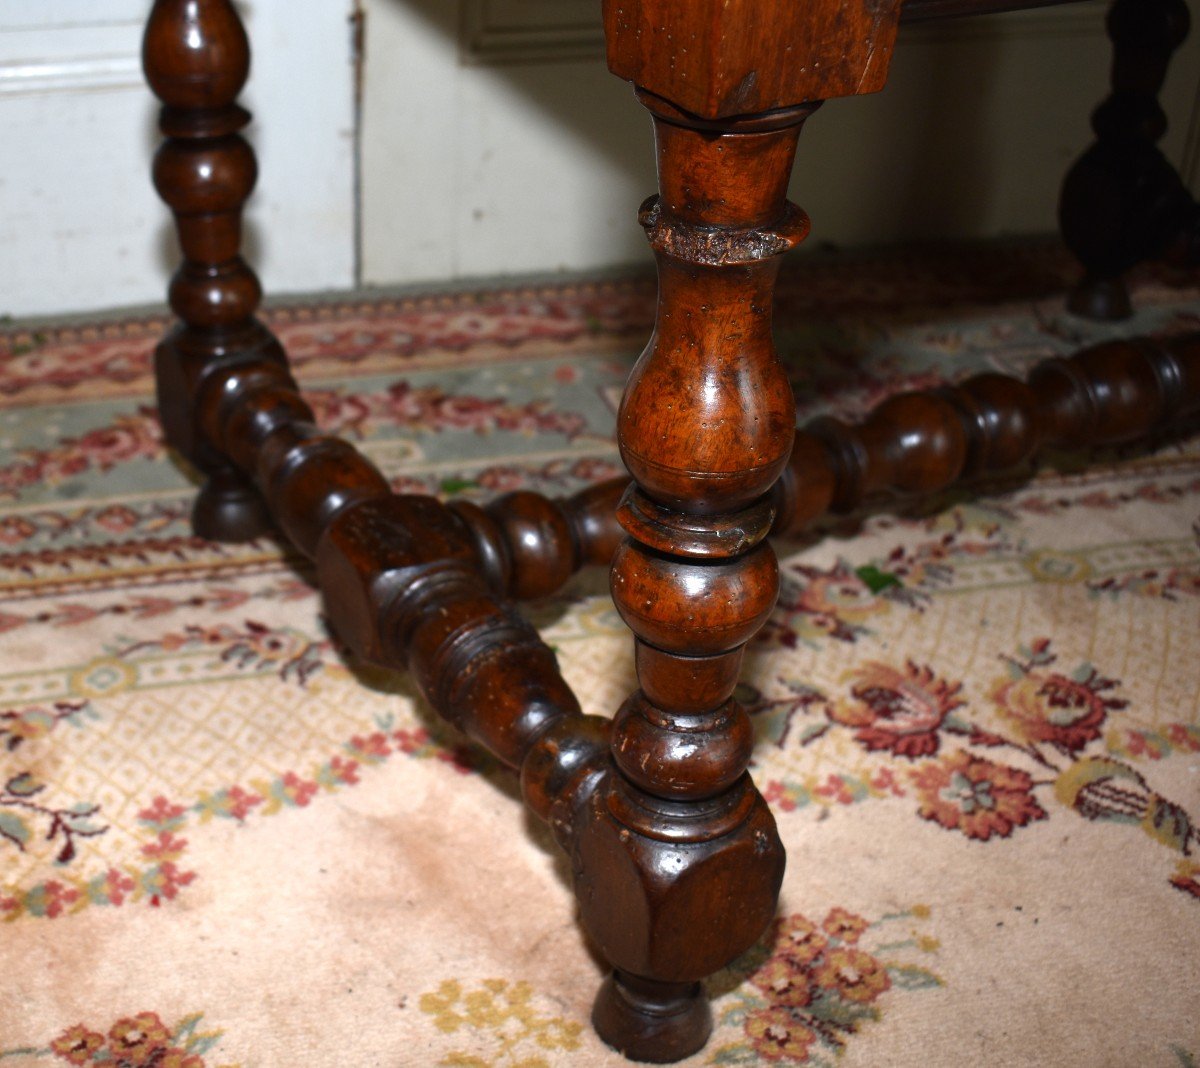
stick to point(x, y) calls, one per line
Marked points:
point(196, 59)
point(1122, 202)
point(682, 857)
point(678, 864)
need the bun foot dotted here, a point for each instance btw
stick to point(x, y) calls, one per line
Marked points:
point(651, 1021)
point(1102, 299)
point(228, 509)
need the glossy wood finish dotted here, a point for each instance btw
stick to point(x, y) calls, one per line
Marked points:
point(674, 855)
point(680, 841)
point(1122, 201)
point(407, 581)
point(916, 444)
point(196, 58)
point(717, 59)
point(527, 546)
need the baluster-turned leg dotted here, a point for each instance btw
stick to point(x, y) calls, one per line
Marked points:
point(1122, 201)
point(680, 867)
point(196, 59)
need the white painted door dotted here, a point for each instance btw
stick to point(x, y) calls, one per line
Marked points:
point(80, 225)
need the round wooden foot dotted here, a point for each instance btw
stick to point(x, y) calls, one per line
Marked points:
point(651, 1021)
point(230, 510)
point(1103, 299)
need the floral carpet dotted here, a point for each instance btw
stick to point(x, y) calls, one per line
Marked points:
point(224, 843)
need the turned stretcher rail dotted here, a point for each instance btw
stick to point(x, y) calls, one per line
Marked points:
point(411, 582)
point(525, 545)
point(912, 445)
point(385, 561)
point(408, 582)
point(923, 442)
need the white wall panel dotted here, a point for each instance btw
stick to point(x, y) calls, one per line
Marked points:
point(483, 155)
point(80, 225)
point(523, 31)
point(470, 169)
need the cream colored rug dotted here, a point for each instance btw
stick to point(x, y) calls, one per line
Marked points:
point(222, 843)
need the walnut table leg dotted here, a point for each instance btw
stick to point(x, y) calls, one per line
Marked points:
point(679, 865)
point(196, 58)
point(1122, 202)
point(682, 857)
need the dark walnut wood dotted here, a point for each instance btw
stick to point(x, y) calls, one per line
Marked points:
point(1122, 202)
point(913, 445)
point(680, 841)
point(917, 444)
point(675, 856)
point(716, 59)
point(408, 582)
point(527, 545)
point(196, 59)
